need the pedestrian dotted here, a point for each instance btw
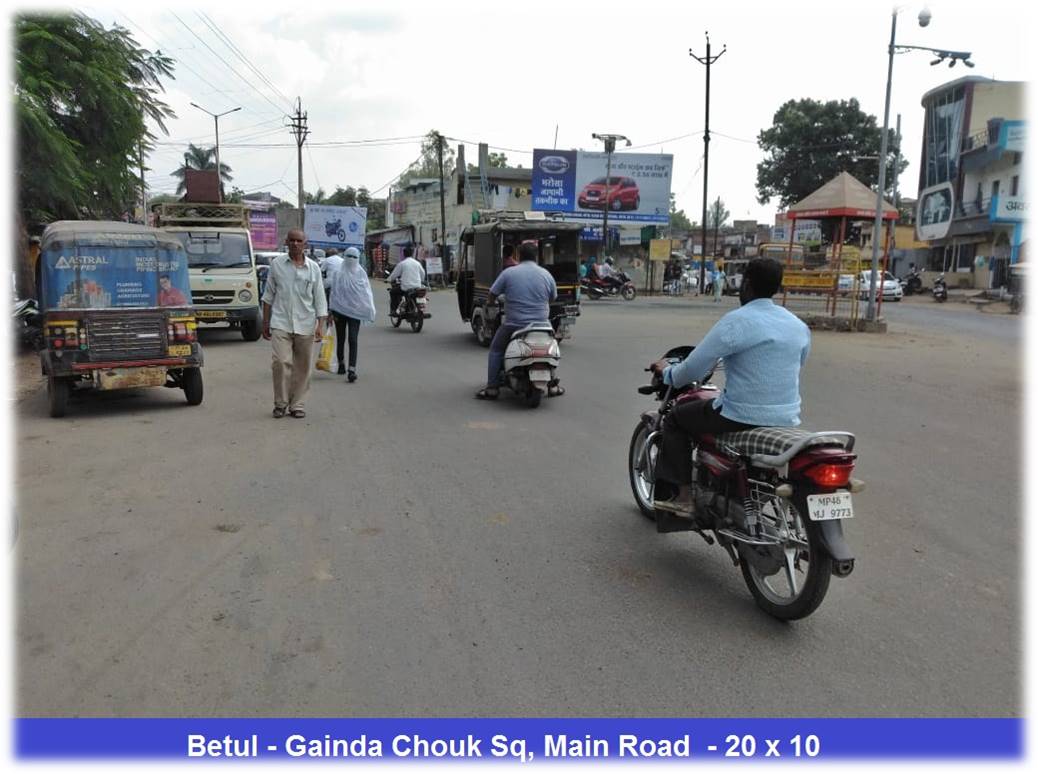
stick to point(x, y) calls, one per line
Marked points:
point(295, 311)
point(508, 254)
point(718, 278)
point(352, 304)
point(332, 263)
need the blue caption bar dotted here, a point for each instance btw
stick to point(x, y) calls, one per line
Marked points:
point(520, 740)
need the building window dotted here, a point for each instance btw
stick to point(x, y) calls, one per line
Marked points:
point(994, 189)
point(966, 255)
point(1014, 188)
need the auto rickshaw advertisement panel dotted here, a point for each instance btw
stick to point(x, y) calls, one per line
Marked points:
point(85, 266)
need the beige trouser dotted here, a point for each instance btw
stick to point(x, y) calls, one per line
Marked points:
point(291, 365)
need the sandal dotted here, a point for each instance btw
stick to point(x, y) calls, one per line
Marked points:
point(487, 393)
point(278, 412)
point(555, 390)
point(298, 413)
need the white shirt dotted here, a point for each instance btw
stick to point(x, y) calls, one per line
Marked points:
point(295, 295)
point(410, 273)
point(605, 270)
point(331, 265)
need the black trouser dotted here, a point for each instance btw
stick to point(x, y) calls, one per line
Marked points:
point(395, 295)
point(685, 422)
point(341, 323)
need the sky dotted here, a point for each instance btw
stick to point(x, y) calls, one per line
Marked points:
point(513, 78)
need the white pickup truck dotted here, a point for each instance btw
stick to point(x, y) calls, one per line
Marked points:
point(891, 286)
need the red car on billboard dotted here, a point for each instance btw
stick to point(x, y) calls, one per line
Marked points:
point(620, 194)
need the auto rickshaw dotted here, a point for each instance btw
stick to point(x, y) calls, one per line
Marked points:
point(115, 299)
point(480, 261)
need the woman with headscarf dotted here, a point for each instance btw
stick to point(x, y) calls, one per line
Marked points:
point(351, 304)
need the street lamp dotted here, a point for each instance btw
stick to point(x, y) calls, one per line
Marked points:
point(609, 140)
point(893, 48)
point(216, 121)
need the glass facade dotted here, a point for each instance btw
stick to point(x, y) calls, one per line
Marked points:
point(945, 116)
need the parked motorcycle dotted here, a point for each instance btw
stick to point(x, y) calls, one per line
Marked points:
point(412, 308)
point(28, 324)
point(913, 283)
point(773, 497)
point(531, 360)
point(598, 288)
point(940, 289)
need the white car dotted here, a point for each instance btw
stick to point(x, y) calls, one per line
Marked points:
point(890, 290)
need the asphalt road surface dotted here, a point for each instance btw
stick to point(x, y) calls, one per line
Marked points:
point(407, 550)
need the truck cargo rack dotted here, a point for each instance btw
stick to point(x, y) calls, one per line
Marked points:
point(201, 214)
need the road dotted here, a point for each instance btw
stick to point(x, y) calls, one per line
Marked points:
point(406, 550)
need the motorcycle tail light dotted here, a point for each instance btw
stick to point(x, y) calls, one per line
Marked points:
point(830, 474)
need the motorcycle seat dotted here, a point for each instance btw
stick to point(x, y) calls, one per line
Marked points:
point(775, 446)
point(540, 326)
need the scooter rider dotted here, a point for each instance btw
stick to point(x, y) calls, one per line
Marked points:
point(529, 290)
point(764, 346)
point(406, 275)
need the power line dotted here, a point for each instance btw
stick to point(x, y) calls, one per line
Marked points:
point(313, 167)
point(240, 76)
point(397, 177)
point(237, 52)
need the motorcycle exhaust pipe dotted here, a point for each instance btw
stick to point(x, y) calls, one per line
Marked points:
point(843, 568)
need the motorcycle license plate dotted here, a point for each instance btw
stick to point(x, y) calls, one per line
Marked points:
point(540, 375)
point(828, 507)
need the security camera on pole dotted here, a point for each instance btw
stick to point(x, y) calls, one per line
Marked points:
point(609, 141)
point(954, 56)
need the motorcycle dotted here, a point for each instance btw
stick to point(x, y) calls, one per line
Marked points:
point(940, 290)
point(531, 359)
point(28, 324)
point(912, 284)
point(334, 228)
point(412, 308)
point(598, 288)
point(773, 497)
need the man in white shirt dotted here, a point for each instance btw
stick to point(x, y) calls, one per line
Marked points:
point(406, 275)
point(332, 263)
point(294, 314)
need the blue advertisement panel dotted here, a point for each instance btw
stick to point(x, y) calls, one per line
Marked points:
point(330, 226)
point(634, 187)
point(110, 276)
point(522, 740)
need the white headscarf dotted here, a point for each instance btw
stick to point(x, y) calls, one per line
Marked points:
point(351, 291)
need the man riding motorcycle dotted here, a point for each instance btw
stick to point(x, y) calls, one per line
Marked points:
point(406, 276)
point(607, 274)
point(764, 347)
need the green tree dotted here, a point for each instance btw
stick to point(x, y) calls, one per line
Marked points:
point(82, 95)
point(344, 197)
point(498, 160)
point(201, 159)
point(427, 164)
point(717, 217)
point(678, 219)
point(811, 142)
point(315, 198)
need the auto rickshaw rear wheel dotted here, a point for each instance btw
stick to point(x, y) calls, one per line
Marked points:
point(192, 383)
point(57, 395)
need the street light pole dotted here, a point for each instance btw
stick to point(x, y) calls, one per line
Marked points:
point(609, 141)
point(216, 122)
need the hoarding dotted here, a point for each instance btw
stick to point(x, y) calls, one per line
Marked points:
point(329, 226)
point(263, 227)
point(105, 277)
point(574, 183)
point(934, 214)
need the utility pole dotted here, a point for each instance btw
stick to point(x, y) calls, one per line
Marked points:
point(897, 165)
point(298, 124)
point(609, 140)
point(443, 212)
point(707, 60)
point(144, 189)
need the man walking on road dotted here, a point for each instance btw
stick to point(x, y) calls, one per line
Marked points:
point(719, 278)
point(294, 313)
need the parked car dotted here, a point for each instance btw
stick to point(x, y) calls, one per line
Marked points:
point(620, 194)
point(890, 290)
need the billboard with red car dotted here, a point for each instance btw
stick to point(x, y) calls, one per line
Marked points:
point(577, 184)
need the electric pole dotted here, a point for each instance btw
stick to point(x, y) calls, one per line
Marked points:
point(609, 142)
point(298, 124)
point(707, 60)
point(443, 213)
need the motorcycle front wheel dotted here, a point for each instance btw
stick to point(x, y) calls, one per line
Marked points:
point(788, 580)
point(640, 463)
point(628, 292)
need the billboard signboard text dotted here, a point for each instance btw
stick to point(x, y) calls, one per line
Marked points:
point(263, 227)
point(329, 226)
point(574, 183)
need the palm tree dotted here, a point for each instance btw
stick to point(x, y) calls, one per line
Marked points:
point(200, 158)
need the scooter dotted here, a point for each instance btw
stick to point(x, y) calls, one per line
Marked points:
point(774, 498)
point(940, 290)
point(912, 284)
point(531, 359)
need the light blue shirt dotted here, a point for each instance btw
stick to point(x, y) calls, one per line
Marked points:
point(764, 346)
point(528, 289)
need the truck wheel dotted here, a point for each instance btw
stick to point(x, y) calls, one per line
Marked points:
point(250, 329)
point(57, 395)
point(192, 381)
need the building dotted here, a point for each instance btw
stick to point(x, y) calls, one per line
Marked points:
point(972, 202)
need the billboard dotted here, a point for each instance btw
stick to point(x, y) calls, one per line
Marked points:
point(329, 226)
point(115, 277)
point(934, 213)
point(574, 183)
point(263, 227)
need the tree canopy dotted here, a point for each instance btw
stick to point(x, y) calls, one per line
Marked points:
point(679, 221)
point(202, 159)
point(83, 95)
point(498, 160)
point(427, 164)
point(811, 142)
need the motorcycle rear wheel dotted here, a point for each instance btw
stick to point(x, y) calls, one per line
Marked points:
point(790, 592)
point(533, 397)
point(417, 320)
